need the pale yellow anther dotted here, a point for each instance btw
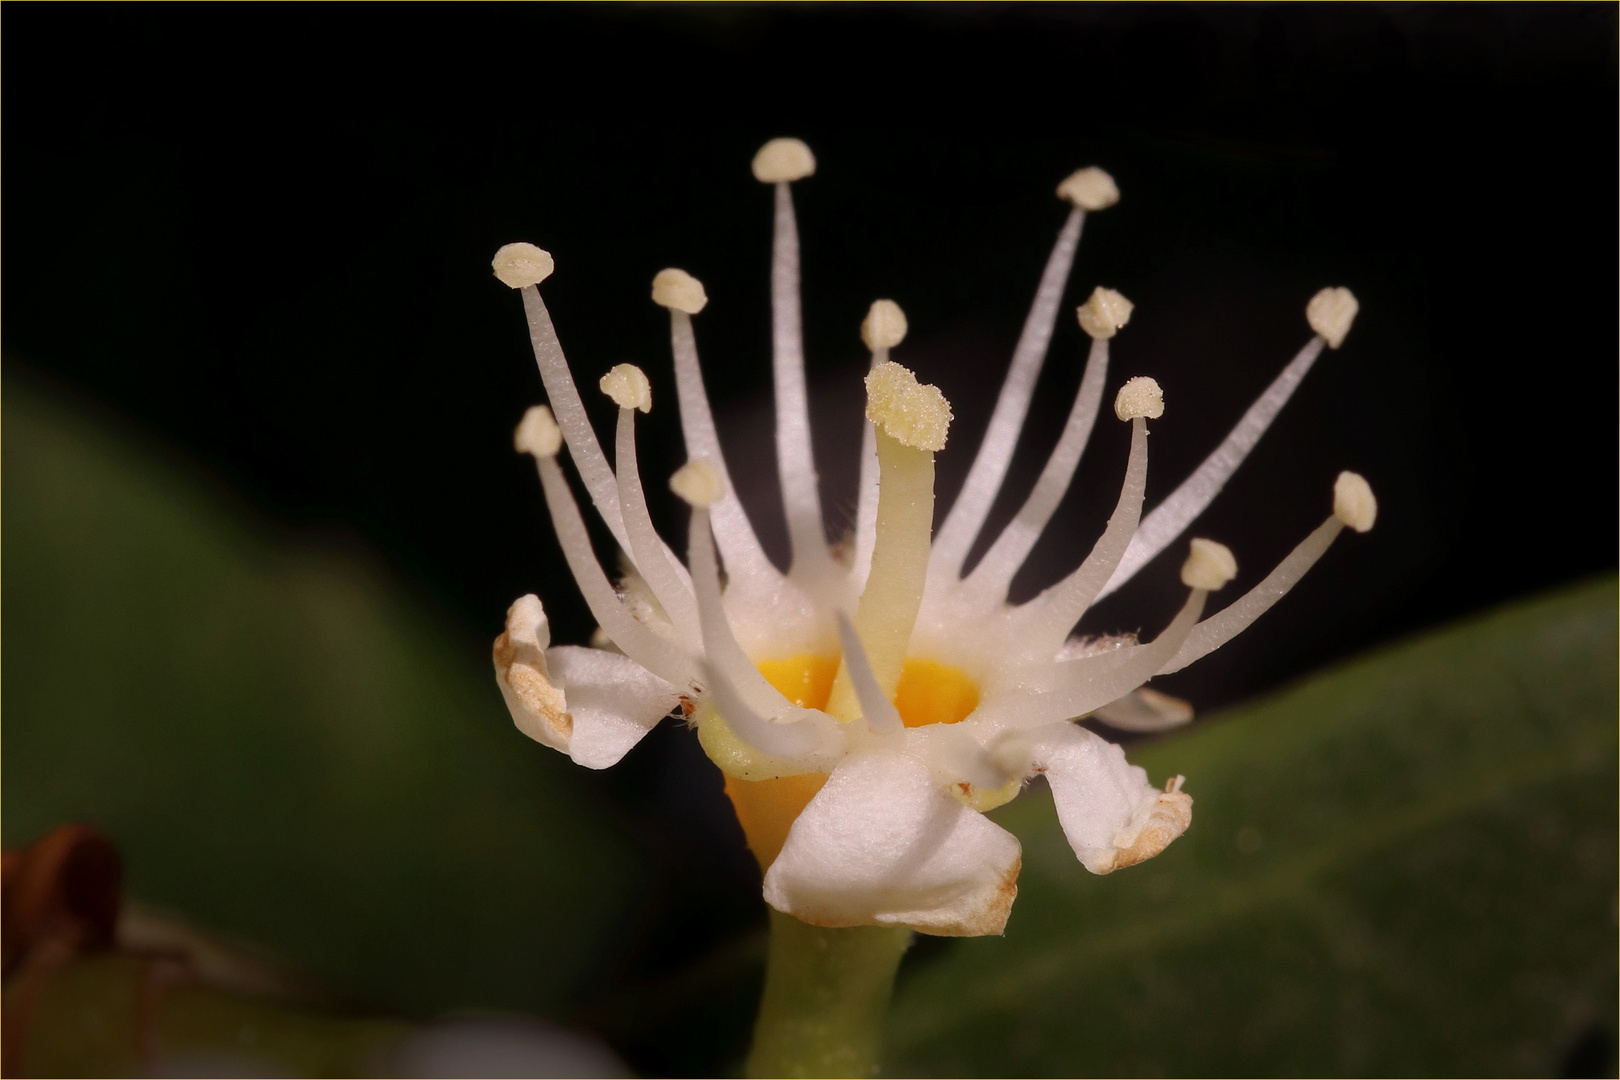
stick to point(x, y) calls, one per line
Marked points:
point(1140, 396)
point(783, 159)
point(1330, 314)
point(1089, 189)
point(679, 290)
point(518, 265)
point(538, 433)
point(627, 385)
point(1353, 501)
point(1104, 314)
point(884, 326)
point(699, 483)
point(914, 414)
point(1209, 565)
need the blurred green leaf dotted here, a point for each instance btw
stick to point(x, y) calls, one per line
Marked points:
point(283, 744)
point(1406, 865)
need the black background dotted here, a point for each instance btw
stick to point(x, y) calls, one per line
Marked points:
point(264, 235)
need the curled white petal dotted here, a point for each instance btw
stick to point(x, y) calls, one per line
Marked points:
point(590, 704)
point(1113, 817)
point(1145, 710)
point(614, 701)
point(882, 845)
point(538, 706)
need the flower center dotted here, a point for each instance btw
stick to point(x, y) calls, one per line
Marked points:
point(929, 693)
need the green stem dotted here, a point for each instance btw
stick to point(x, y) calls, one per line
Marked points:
point(826, 996)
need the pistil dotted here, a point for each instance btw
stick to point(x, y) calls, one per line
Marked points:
point(911, 421)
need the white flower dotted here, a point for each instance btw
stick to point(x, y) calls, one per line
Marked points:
point(868, 705)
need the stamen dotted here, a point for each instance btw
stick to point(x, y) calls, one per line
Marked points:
point(637, 641)
point(877, 710)
point(1105, 313)
point(628, 387)
point(522, 266)
point(1353, 501)
point(1057, 609)
point(783, 161)
point(679, 291)
point(1353, 505)
point(1209, 565)
point(883, 329)
point(745, 559)
point(1086, 190)
point(884, 326)
point(538, 433)
point(1089, 189)
point(1140, 396)
point(754, 710)
point(994, 573)
point(1098, 680)
point(912, 422)
point(698, 483)
point(1329, 313)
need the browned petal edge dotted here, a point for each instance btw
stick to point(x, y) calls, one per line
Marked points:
point(1170, 817)
point(990, 919)
point(533, 690)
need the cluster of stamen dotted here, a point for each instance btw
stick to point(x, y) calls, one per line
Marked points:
point(885, 646)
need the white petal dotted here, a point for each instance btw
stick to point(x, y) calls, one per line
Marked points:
point(882, 844)
point(1145, 710)
point(613, 700)
point(1112, 816)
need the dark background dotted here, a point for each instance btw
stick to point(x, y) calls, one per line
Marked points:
point(264, 234)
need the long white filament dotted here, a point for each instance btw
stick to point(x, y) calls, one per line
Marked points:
point(1236, 617)
point(878, 711)
point(745, 700)
point(795, 461)
point(989, 467)
point(638, 642)
point(664, 575)
point(1090, 688)
point(995, 571)
point(867, 497)
point(1170, 517)
point(746, 562)
point(570, 412)
point(1055, 611)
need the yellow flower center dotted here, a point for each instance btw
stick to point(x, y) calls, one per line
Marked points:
point(929, 693)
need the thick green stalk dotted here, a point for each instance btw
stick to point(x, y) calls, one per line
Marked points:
point(826, 997)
